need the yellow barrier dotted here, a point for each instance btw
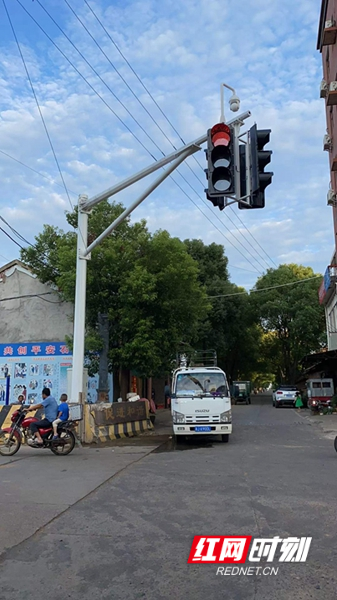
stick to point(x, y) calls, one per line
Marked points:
point(96, 431)
point(6, 413)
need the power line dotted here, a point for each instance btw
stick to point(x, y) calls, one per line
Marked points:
point(117, 71)
point(254, 238)
point(156, 123)
point(159, 108)
point(35, 171)
point(32, 296)
point(37, 103)
point(98, 75)
point(82, 76)
point(85, 79)
point(221, 232)
point(22, 248)
point(273, 287)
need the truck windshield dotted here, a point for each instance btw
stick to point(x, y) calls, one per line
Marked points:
point(201, 383)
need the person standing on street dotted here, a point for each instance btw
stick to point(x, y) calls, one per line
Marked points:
point(50, 413)
point(298, 401)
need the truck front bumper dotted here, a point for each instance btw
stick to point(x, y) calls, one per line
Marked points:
point(194, 429)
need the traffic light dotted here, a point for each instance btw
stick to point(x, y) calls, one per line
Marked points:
point(218, 201)
point(220, 159)
point(259, 159)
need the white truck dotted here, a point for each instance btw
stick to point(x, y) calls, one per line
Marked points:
point(200, 402)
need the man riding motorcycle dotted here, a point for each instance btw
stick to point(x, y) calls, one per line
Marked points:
point(50, 413)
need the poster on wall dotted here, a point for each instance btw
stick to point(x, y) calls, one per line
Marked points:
point(31, 367)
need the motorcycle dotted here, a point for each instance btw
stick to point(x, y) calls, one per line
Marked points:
point(12, 437)
point(318, 407)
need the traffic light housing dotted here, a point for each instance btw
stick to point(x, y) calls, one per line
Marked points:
point(220, 159)
point(219, 201)
point(259, 159)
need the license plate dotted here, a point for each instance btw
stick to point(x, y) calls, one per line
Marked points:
point(205, 428)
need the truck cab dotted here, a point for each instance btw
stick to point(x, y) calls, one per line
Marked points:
point(200, 402)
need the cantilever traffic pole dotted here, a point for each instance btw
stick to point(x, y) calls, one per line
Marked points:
point(83, 254)
point(144, 195)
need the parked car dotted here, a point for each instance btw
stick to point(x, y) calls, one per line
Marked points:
point(285, 395)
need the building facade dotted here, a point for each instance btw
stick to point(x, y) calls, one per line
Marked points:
point(327, 45)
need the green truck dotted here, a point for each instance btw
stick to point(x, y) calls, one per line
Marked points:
point(240, 391)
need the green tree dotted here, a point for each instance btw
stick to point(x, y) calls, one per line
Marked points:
point(229, 327)
point(291, 315)
point(148, 285)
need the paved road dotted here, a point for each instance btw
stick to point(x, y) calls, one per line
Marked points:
point(130, 537)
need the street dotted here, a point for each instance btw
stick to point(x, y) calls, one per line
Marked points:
point(118, 522)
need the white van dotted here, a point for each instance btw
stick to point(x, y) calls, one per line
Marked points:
point(200, 402)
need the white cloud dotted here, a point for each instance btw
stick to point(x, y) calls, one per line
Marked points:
point(182, 51)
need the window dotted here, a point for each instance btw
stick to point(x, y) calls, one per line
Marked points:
point(316, 384)
point(326, 384)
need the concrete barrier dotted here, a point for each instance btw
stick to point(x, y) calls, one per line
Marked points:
point(104, 422)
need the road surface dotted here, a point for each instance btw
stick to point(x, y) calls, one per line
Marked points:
point(118, 522)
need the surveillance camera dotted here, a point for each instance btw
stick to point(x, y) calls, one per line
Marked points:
point(234, 103)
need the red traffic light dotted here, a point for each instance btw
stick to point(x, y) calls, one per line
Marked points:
point(220, 135)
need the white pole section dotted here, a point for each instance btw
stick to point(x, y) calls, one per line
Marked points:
point(144, 172)
point(146, 193)
point(80, 302)
point(154, 167)
point(237, 127)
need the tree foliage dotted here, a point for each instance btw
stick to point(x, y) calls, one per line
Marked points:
point(291, 315)
point(148, 285)
point(229, 327)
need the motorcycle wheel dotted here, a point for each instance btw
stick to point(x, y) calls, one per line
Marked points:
point(67, 445)
point(9, 447)
point(335, 444)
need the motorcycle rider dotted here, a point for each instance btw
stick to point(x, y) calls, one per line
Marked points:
point(50, 413)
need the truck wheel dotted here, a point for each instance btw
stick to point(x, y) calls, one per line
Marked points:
point(225, 438)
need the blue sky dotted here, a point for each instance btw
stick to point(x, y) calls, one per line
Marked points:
point(182, 51)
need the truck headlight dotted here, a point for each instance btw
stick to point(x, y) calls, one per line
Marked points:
point(226, 417)
point(178, 417)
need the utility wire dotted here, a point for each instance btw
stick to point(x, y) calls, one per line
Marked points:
point(32, 296)
point(153, 119)
point(99, 77)
point(253, 237)
point(94, 90)
point(22, 248)
point(157, 105)
point(37, 172)
point(116, 70)
point(272, 287)
point(37, 103)
point(221, 232)
point(85, 79)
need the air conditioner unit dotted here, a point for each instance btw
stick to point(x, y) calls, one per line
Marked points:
point(323, 89)
point(327, 143)
point(330, 23)
point(331, 198)
point(333, 86)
